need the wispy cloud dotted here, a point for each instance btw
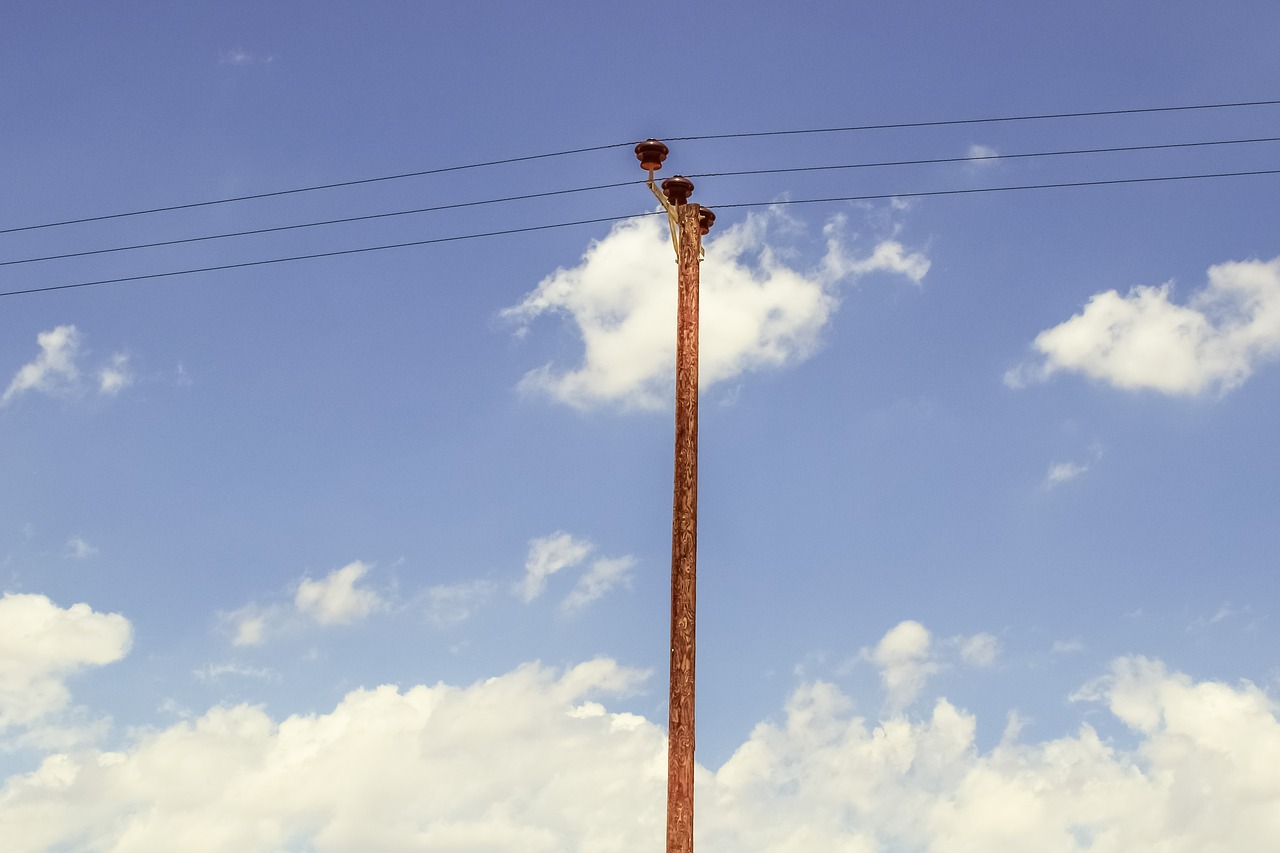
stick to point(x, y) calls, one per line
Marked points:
point(239, 57)
point(251, 624)
point(78, 549)
point(219, 671)
point(115, 375)
point(1145, 340)
point(1065, 472)
point(981, 157)
point(603, 575)
point(549, 555)
point(1221, 614)
point(452, 604)
point(980, 650)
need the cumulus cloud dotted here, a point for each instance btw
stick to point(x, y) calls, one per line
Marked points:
point(1145, 340)
point(41, 644)
point(335, 599)
point(621, 299)
point(527, 761)
point(534, 760)
point(54, 370)
point(905, 661)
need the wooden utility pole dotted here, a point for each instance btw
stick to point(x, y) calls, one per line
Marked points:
point(688, 223)
point(684, 543)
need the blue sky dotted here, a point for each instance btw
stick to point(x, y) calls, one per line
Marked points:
point(371, 552)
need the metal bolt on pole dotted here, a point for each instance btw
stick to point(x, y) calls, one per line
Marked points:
point(688, 223)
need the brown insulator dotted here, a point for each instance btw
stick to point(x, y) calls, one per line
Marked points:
point(677, 189)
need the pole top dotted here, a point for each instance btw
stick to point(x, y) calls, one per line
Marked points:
point(677, 189)
point(651, 153)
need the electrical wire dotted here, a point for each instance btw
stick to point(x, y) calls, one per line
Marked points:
point(440, 171)
point(294, 227)
point(550, 193)
point(593, 148)
point(992, 120)
point(332, 254)
point(546, 227)
point(982, 157)
point(976, 190)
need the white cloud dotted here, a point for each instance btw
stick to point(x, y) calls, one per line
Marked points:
point(519, 762)
point(603, 576)
point(54, 370)
point(78, 549)
point(1144, 340)
point(548, 555)
point(41, 644)
point(115, 375)
point(335, 600)
point(905, 661)
point(250, 624)
point(534, 760)
point(56, 373)
point(622, 299)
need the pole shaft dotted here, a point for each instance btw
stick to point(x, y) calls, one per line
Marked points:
point(684, 542)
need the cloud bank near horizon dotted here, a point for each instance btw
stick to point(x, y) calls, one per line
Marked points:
point(534, 760)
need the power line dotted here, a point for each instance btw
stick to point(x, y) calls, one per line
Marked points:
point(985, 157)
point(589, 149)
point(992, 120)
point(975, 190)
point(335, 185)
point(342, 221)
point(550, 193)
point(332, 254)
point(547, 227)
